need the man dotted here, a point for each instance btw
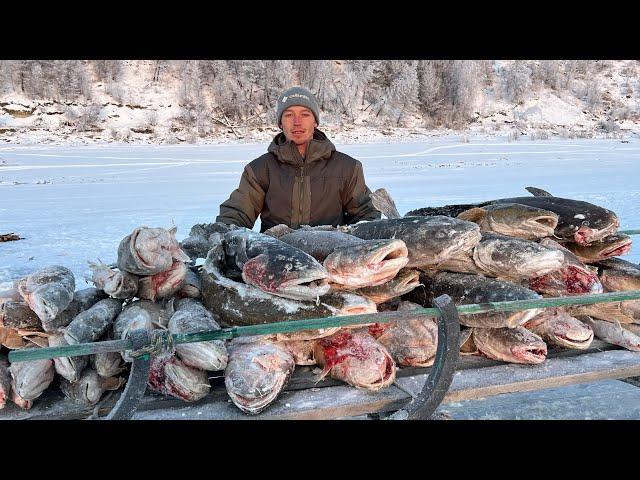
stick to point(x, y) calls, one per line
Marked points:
point(302, 180)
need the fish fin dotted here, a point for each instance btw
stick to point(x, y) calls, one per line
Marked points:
point(473, 215)
point(383, 202)
point(538, 192)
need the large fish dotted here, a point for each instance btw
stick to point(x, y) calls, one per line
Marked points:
point(573, 278)
point(513, 219)
point(202, 237)
point(5, 381)
point(192, 317)
point(356, 358)
point(138, 315)
point(515, 258)
point(241, 304)
point(612, 246)
point(613, 333)
point(274, 266)
point(116, 284)
point(578, 221)
point(147, 251)
point(619, 275)
point(69, 368)
point(406, 280)
point(515, 345)
point(82, 300)
point(169, 376)
point(429, 241)
point(467, 289)
point(88, 389)
point(318, 243)
point(48, 291)
point(89, 325)
point(30, 379)
point(557, 327)
point(256, 373)
point(163, 284)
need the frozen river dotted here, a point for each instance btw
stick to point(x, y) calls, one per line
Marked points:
point(73, 204)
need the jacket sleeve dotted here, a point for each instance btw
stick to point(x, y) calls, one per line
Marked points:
point(358, 205)
point(245, 203)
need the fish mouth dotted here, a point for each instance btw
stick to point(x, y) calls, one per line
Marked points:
point(574, 339)
point(617, 250)
point(530, 353)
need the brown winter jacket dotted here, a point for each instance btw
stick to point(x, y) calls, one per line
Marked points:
point(326, 188)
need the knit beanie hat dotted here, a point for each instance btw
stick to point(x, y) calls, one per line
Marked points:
point(297, 96)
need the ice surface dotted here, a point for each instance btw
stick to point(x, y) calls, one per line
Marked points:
point(75, 203)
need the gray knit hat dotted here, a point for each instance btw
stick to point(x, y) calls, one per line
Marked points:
point(297, 96)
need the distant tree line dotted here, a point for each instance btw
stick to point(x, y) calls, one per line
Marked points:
point(243, 92)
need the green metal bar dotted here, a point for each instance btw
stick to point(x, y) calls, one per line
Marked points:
point(630, 232)
point(315, 323)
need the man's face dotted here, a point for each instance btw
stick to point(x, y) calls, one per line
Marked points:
point(298, 123)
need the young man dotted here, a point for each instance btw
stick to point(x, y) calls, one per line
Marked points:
point(302, 180)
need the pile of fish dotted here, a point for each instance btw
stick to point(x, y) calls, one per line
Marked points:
point(520, 248)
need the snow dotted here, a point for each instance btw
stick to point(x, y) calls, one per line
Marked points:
point(73, 204)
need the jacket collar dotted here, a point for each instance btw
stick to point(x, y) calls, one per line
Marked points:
point(320, 147)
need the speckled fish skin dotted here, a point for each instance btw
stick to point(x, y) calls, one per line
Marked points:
point(429, 240)
point(467, 289)
point(319, 243)
point(192, 286)
point(147, 251)
point(169, 376)
point(613, 333)
point(5, 381)
point(573, 278)
point(555, 326)
point(89, 325)
point(192, 317)
point(356, 358)
point(31, 378)
point(240, 304)
point(202, 237)
point(69, 368)
point(514, 345)
point(406, 280)
point(274, 266)
point(82, 300)
point(611, 246)
point(256, 373)
point(48, 291)
point(370, 263)
point(107, 364)
point(619, 275)
point(163, 284)
point(138, 315)
point(514, 258)
point(116, 284)
point(512, 219)
point(90, 387)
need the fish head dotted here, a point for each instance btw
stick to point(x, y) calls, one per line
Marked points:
point(519, 220)
point(530, 352)
point(299, 278)
point(370, 263)
point(595, 225)
point(614, 246)
point(571, 332)
point(50, 301)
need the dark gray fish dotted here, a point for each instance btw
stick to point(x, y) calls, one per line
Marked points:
point(256, 373)
point(429, 240)
point(69, 368)
point(116, 284)
point(573, 278)
point(556, 326)
point(274, 266)
point(513, 219)
point(5, 381)
point(202, 237)
point(406, 280)
point(355, 357)
point(192, 317)
point(82, 300)
point(514, 345)
point(138, 315)
point(618, 275)
point(169, 376)
point(614, 245)
point(613, 333)
point(147, 251)
point(48, 291)
point(89, 325)
point(88, 389)
point(467, 289)
point(319, 243)
point(163, 284)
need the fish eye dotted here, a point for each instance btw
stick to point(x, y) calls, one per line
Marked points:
point(585, 223)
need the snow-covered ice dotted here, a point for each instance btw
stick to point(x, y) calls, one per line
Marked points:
point(75, 203)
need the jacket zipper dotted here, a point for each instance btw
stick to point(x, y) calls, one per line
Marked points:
point(301, 194)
